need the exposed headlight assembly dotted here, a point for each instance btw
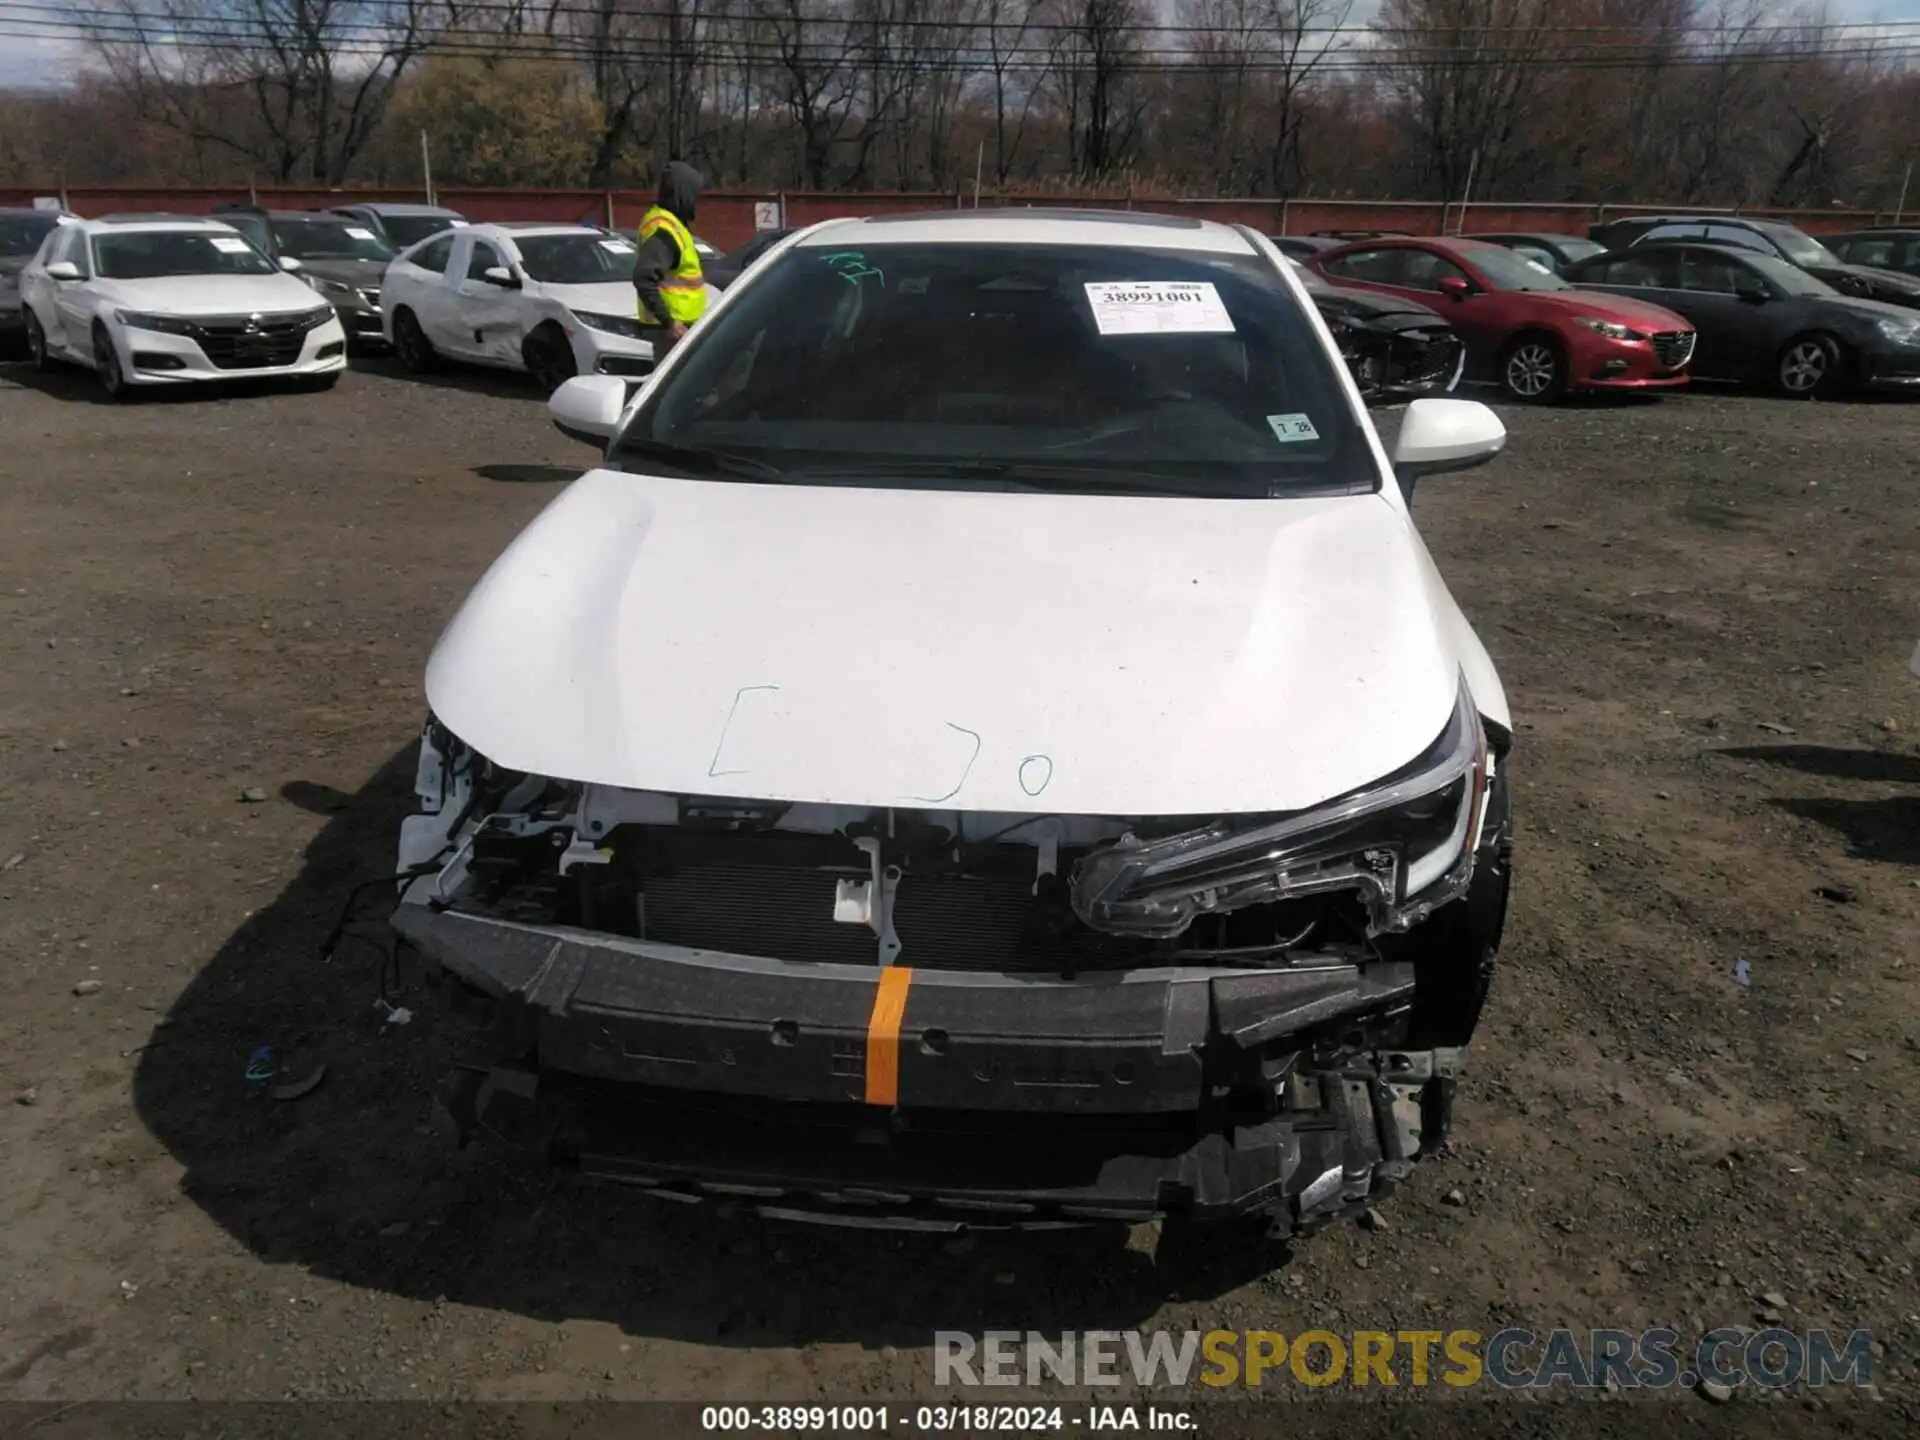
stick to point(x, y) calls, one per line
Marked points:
point(161, 324)
point(612, 324)
point(330, 287)
point(1405, 846)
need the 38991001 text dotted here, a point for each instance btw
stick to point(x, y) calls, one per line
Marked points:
point(796, 1419)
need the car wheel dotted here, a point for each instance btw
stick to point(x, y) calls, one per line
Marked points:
point(37, 350)
point(549, 359)
point(1809, 365)
point(106, 364)
point(416, 351)
point(1533, 370)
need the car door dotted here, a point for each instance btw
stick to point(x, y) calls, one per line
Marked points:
point(74, 301)
point(1733, 339)
point(1482, 316)
point(491, 316)
point(423, 287)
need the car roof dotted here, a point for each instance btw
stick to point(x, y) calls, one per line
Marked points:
point(512, 229)
point(1874, 232)
point(155, 221)
point(1039, 226)
point(1551, 237)
point(381, 207)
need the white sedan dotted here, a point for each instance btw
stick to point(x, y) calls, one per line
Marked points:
point(552, 300)
point(165, 300)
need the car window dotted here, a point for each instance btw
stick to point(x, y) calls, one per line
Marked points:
point(1061, 367)
point(1423, 270)
point(1704, 272)
point(1651, 271)
point(253, 227)
point(154, 254)
point(586, 259)
point(405, 230)
point(1380, 267)
point(483, 259)
point(434, 257)
point(22, 234)
point(1505, 269)
point(1545, 259)
point(1675, 232)
point(71, 245)
point(1798, 246)
point(318, 239)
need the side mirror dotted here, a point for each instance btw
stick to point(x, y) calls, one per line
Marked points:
point(63, 270)
point(501, 276)
point(1437, 436)
point(1455, 287)
point(289, 264)
point(588, 407)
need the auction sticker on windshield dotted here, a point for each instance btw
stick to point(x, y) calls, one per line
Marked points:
point(618, 247)
point(227, 245)
point(1158, 307)
point(358, 233)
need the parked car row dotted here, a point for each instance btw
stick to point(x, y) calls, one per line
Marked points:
point(1644, 303)
point(1649, 302)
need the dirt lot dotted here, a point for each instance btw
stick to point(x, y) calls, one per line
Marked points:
point(215, 614)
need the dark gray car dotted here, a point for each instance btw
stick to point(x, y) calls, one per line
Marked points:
point(402, 225)
point(1887, 248)
point(21, 232)
point(1762, 320)
point(1769, 237)
point(339, 257)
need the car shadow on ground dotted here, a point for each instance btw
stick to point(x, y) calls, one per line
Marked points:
point(353, 1179)
point(452, 375)
point(1837, 761)
point(80, 387)
point(529, 474)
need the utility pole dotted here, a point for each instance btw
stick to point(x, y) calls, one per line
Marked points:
point(426, 167)
point(1901, 204)
point(1466, 196)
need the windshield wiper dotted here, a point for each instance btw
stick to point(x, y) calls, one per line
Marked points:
point(703, 462)
point(1018, 474)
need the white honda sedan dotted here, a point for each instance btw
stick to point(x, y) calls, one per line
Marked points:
point(987, 745)
point(553, 300)
point(146, 300)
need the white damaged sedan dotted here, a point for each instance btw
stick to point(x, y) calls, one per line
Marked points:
point(988, 747)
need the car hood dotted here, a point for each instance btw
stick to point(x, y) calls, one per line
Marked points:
point(360, 273)
point(969, 650)
point(13, 264)
point(1623, 308)
point(211, 294)
point(612, 297)
point(1365, 305)
point(1888, 285)
point(1864, 308)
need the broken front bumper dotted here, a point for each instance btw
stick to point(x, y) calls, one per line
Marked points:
point(940, 1099)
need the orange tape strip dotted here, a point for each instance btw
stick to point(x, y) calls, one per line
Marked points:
point(883, 1035)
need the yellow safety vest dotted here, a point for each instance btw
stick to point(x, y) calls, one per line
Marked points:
point(685, 288)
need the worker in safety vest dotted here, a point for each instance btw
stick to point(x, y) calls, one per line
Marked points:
point(673, 292)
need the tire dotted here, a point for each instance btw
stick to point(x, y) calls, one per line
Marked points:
point(1533, 369)
point(106, 364)
point(549, 358)
point(410, 342)
point(37, 348)
point(1809, 366)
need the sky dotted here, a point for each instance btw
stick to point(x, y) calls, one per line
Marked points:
point(52, 59)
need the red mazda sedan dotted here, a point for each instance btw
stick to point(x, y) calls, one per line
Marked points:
point(1524, 326)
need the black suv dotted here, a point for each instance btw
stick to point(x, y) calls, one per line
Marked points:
point(1770, 237)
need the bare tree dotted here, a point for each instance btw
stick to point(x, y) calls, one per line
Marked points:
point(309, 81)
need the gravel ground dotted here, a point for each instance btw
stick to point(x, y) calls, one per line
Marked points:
point(216, 612)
